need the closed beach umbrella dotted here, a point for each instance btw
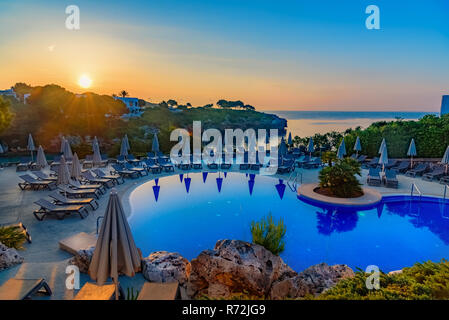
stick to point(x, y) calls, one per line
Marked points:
point(61, 149)
point(383, 160)
point(127, 142)
point(445, 159)
point(63, 173)
point(1, 148)
point(67, 150)
point(289, 140)
point(412, 152)
point(75, 169)
point(155, 144)
point(341, 150)
point(115, 252)
point(282, 148)
point(30, 145)
point(310, 146)
point(41, 161)
point(123, 148)
point(382, 145)
point(357, 146)
point(94, 142)
point(96, 159)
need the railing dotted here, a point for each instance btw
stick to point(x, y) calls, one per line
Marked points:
point(445, 191)
point(415, 188)
point(98, 222)
point(293, 178)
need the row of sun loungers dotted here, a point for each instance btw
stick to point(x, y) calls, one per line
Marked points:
point(389, 179)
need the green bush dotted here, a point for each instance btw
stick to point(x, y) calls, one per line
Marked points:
point(340, 179)
point(423, 281)
point(12, 237)
point(268, 234)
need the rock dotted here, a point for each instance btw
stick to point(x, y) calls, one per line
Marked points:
point(314, 280)
point(9, 257)
point(163, 266)
point(235, 266)
point(82, 259)
point(394, 272)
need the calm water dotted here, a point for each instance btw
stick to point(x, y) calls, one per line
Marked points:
point(393, 235)
point(307, 123)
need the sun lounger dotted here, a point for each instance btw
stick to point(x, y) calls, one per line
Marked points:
point(92, 291)
point(108, 183)
point(43, 176)
point(77, 242)
point(34, 184)
point(151, 165)
point(373, 178)
point(23, 289)
point(48, 208)
point(88, 161)
point(436, 173)
point(314, 163)
point(85, 193)
point(118, 169)
point(361, 158)
point(141, 171)
point(159, 291)
point(116, 178)
point(23, 165)
point(78, 186)
point(373, 163)
point(402, 167)
point(418, 171)
point(444, 179)
point(391, 180)
point(354, 156)
point(391, 163)
point(131, 159)
point(286, 167)
point(60, 199)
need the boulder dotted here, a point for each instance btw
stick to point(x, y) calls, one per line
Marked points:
point(9, 257)
point(163, 266)
point(82, 259)
point(236, 266)
point(312, 281)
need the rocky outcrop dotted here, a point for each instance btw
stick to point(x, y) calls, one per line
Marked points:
point(312, 281)
point(82, 259)
point(9, 257)
point(163, 266)
point(236, 266)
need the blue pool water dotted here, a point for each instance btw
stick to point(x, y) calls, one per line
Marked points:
point(396, 233)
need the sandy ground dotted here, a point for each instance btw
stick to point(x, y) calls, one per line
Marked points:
point(43, 258)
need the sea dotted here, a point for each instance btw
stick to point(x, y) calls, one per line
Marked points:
point(308, 123)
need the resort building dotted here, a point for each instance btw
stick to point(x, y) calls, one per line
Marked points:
point(133, 106)
point(445, 105)
point(9, 92)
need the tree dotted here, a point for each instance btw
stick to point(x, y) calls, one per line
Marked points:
point(172, 102)
point(188, 104)
point(124, 93)
point(5, 114)
point(341, 180)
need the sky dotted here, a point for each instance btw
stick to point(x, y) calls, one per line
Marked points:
point(274, 55)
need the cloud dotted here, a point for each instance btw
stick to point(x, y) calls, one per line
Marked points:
point(51, 47)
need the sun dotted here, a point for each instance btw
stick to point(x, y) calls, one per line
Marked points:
point(84, 81)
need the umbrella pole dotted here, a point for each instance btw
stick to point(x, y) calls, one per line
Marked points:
point(116, 289)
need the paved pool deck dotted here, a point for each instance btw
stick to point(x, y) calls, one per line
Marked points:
point(43, 258)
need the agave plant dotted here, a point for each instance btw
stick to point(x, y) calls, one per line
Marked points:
point(12, 237)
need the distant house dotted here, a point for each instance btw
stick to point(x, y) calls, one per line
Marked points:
point(133, 106)
point(445, 105)
point(9, 92)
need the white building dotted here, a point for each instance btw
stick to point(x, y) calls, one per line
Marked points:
point(445, 105)
point(133, 106)
point(9, 92)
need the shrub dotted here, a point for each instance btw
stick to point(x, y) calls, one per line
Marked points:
point(268, 234)
point(12, 237)
point(428, 280)
point(341, 178)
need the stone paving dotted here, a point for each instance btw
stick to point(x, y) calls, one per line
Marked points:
point(43, 258)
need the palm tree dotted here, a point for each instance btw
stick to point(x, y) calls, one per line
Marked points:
point(124, 93)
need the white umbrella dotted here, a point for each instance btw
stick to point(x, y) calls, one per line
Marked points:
point(94, 142)
point(127, 142)
point(383, 160)
point(382, 145)
point(41, 161)
point(357, 146)
point(75, 169)
point(412, 151)
point(155, 144)
point(63, 173)
point(123, 148)
point(61, 149)
point(445, 159)
point(67, 150)
point(97, 155)
point(310, 146)
point(115, 252)
point(341, 150)
point(30, 146)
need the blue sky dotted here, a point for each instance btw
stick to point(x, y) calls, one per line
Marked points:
point(309, 55)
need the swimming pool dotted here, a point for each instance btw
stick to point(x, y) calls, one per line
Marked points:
point(189, 213)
